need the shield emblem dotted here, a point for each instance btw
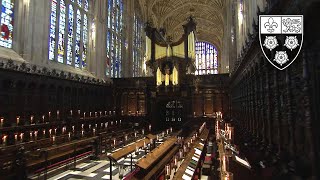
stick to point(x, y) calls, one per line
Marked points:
point(281, 38)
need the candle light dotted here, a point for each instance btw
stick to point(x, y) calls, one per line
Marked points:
point(96, 125)
point(16, 137)
point(168, 170)
point(121, 112)
point(96, 114)
point(21, 137)
point(18, 120)
point(4, 139)
point(116, 122)
point(111, 123)
point(1, 121)
point(72, 128)
point(90, 114)
point(100, 113)
point(30, 135)
point(50, 131)
point(84, 115)
point(42, 118)
point(58, 114)
point(126, 137)
point(114, 142)
point(114, 112)
point(150, 127)
point(226, 177)
point(224, 163)
point(79, 112)
point(82, 132)
point(167, 131)
point(89, 126)
point(106, 124)
point(171, 129)
point(55, 130)
point(31, 119)
point(70, 112)
point(53, 139)
point(94, 131)
point(49, 114)
point(44, 132)
point(105, 113)
point(82, 126)
point(69, 135)
point(143, 131)
point(35, 135)
point(135, 134)
point(64, 129)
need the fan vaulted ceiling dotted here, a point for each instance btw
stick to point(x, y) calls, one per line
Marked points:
point(172, 14)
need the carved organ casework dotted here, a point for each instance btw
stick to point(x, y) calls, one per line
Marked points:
point(170, 61)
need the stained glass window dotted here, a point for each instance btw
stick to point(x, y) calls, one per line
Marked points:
point(70, 35)
point(52, 36)
point(114, 35)
point(85, 41)
point(7, 15)
point(62, 28)
point(78, 36)
point(206, 59)
point(69, 44)
point(137, 47)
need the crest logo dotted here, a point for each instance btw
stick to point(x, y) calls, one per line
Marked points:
point(281, 38)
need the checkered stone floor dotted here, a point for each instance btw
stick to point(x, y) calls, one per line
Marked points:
point(99, 169)
point(94, 170)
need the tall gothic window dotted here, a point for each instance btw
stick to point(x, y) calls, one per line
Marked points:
point(137, 47)
point(68, 35)
point(114, 42)
point(206, 58)
point(7, 7)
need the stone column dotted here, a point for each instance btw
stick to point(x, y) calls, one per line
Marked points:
point(33, 31)
point(262, 105)
point(97, 39)
point(253, 109)
point(277, 122)
point(249, 102)
point(257, 100)
point(128, 57)
point(268, 105)
point(309, 144)
point(290, 122)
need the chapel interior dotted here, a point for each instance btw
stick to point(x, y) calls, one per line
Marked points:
point(156, 90)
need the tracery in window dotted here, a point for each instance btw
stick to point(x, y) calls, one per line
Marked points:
point(69, 44)
point(114, 35)
point(137, 47)
point(206, 59)
point(7, 15)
